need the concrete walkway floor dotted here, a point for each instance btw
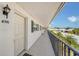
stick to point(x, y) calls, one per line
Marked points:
point(42, 47)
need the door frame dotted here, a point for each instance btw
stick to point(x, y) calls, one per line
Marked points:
point(25, 30)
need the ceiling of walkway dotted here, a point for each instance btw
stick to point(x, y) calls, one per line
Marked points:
point(41, 11)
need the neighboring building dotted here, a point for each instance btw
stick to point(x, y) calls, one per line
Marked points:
point(61, 29)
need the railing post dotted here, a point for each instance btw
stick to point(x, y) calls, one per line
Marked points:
point(68, 51)
point(58, 47)
point(64, 50)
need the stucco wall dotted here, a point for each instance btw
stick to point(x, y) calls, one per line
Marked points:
point(6, 32)
point(32, 36)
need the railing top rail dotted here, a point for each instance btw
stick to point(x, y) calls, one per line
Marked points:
point(71, 48)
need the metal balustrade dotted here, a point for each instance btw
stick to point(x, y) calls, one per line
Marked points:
point(61, 48)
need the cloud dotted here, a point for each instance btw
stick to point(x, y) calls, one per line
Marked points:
point(73, 19)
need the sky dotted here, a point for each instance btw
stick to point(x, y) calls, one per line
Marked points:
point(68, 16)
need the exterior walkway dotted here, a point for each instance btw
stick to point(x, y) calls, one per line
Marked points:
point(42, 46)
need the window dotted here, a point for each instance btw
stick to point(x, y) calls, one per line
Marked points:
point(37, 27)
point(32, 29)
point(34, 26)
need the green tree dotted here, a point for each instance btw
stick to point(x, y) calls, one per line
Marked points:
point(76, 31)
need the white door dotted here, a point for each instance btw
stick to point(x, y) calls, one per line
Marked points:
point(19, 34)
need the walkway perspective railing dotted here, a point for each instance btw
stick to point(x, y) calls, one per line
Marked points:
point(61, 48)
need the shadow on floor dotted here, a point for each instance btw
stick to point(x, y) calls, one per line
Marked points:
point(26, 54)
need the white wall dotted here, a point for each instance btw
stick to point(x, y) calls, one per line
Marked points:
point(6, 32)
point(32, 36)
